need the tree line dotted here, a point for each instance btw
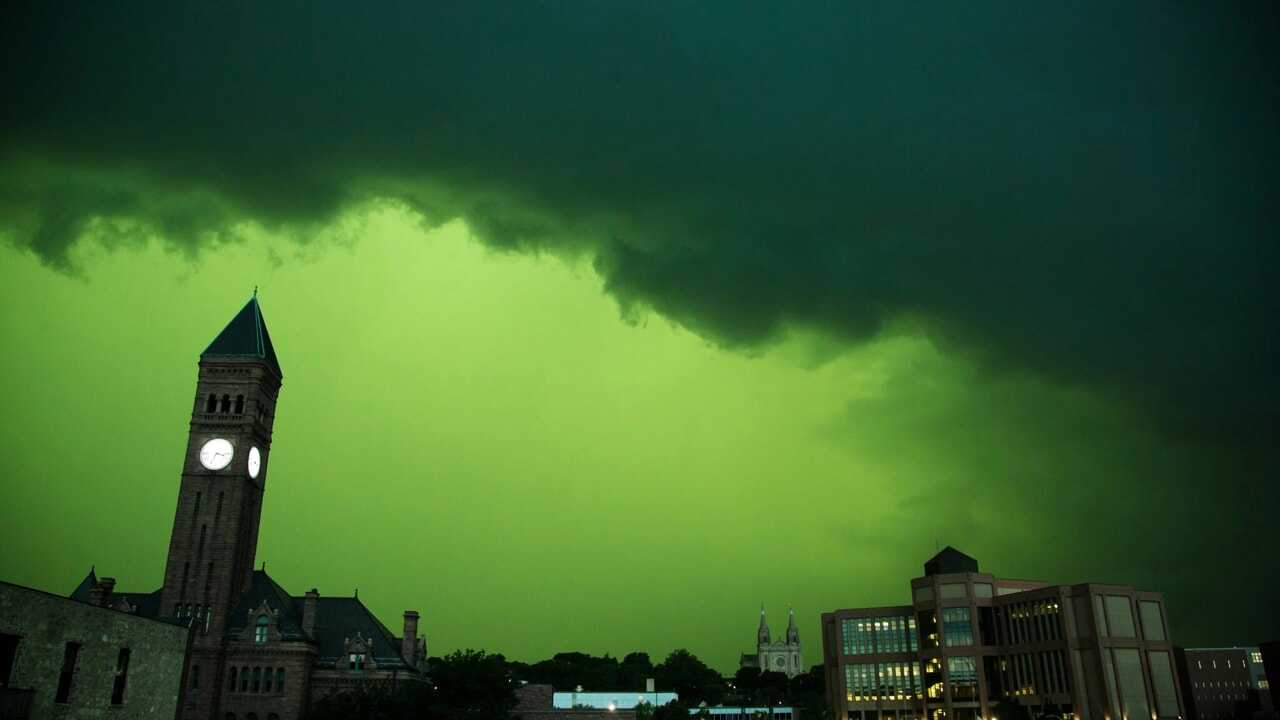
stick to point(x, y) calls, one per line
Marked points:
point(476, 685)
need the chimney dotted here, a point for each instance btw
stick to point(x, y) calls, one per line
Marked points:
point(310, 603)
point(100, 595)
point(409, 641)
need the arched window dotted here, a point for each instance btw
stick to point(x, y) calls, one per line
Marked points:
point(251, 716)
point(257, 680)
point(196, 511)
point(279, 680)
point(122, 677)
point(272, 716)
point(212, 405)
point(260, 630)
point(226, 403)
point(232, 685)
point(266, 679)
point(239, 404)
point(229, 716)
point(244, 679)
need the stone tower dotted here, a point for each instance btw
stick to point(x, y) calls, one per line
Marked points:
point(784, 656)
point(224, 473)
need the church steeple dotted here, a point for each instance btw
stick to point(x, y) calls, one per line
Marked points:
point(762, 635)
point(793, 632)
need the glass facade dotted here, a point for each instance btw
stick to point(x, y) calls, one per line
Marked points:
point(1120, 616)
point(928, 629)
point(957, 627)
point(1152, 620)
point(1133, 687)
point(1100, 616)
point(962, 676)
point(1162, 684)
point(982, 590)
point(884, 634)
point(870, 682)
point(952, 591)
point(923, 594)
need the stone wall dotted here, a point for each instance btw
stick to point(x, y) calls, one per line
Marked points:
point(45, 623)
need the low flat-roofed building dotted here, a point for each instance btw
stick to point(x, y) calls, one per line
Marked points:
point(1223, 683)
point(969, 641)
point(64, 658)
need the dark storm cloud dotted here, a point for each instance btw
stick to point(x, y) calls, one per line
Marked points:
point(1088, 192)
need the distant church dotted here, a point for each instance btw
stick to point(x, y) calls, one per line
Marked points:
point(784, 657)
point(257, 651)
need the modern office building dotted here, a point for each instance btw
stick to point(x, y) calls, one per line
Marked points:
point(970, 641)
point(1223, 683)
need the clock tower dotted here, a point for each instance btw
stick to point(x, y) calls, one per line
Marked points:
point(224, 473)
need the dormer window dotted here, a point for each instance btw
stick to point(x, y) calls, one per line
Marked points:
point(260, 629)
point(356, 661)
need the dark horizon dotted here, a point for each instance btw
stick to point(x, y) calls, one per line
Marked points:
point(601, 325)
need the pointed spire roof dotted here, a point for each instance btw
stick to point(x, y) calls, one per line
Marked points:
point(793, 632)
point(762, 634)
point(81, 592)
point(245, 337)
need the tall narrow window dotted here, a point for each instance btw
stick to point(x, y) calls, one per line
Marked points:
point(279, 680)
point(226, 403)
point(186, 573)
point(231, 686)
point(212, 405)
point(257, 680)
point(8, 653)
point(239, 404)
point(244, 679)
point(217, 513)
point(195, 677)
point(200, 547)
point(69, 655)
point(122, 677)
point(260, 630)
point(196, 511)
point(208, 578)
point(266, 679)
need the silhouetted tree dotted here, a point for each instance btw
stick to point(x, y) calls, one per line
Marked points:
point(471, 684)
point(690, 678)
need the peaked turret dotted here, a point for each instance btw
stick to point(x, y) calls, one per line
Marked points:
point(245, 337)
point(762, 635)
point(793, 632)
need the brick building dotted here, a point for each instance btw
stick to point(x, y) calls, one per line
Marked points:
point(258, 652)
point(60, 658)
point(970, 641)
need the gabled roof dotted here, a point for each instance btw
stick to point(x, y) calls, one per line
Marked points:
point(263, 589)
point(148, 604)
point(245, 337)
point(81, 592)
point(949, 561)
point(339, 618)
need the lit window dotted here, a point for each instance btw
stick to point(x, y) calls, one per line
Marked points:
point(356, 661)
point(260, 631)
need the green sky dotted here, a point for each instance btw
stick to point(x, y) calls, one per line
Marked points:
point(603, 322)
point(483, 437)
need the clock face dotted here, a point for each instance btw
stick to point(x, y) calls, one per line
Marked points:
point(255, 462)
point(216, 454)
